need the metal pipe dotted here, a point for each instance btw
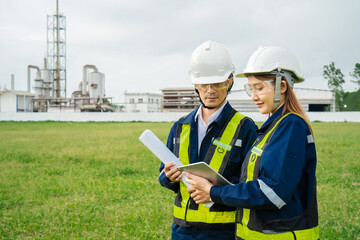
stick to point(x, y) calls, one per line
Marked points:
point(28, 71)
point(84, 84)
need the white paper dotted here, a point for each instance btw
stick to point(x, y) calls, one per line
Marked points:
point(153, 143)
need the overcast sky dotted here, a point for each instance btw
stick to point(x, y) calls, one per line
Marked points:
point(146, 45)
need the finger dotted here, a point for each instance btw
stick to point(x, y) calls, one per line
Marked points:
point(189, 175)
point(188, 180)
point(179, 177)
point(175, 175)
point(168, 166)
point(191, 189)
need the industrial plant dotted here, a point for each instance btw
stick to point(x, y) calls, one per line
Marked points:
point(47, 87)
point(50, 84)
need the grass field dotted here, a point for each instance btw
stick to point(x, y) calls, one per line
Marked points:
point(62, 180)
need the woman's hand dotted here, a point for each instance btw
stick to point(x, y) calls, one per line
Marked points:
point(200, 188)
point(173, 174)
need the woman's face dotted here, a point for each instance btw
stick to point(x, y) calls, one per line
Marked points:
point(262, 93)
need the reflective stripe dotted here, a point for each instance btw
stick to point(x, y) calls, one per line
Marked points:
point(226, 138)
point(205, 216)
point(238, 143)
point(271, 195)
point(308, 234)
point(176, 140)
point(310, 138)
point(184, 144)
point(257, 151)
point(222, 145)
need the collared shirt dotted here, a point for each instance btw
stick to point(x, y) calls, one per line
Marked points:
point(202, 126)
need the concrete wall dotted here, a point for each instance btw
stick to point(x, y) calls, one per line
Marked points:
point(157, 117)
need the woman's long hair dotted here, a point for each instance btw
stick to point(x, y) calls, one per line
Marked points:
point(292, 104)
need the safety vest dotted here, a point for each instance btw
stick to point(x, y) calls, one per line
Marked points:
point(186, 211)
point(248, 226)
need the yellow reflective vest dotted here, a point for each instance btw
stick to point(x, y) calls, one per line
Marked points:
point(249, 227)
point(186, 211)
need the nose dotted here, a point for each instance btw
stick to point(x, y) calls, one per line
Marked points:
point(254, 96)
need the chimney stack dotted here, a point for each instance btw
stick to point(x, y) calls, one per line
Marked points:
point(12, 81)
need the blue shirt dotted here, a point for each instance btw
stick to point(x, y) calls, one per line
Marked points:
point(287, 167)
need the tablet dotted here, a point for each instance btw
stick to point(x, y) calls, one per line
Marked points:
point(202, 169)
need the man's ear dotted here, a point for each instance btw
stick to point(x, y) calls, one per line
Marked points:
point(231, 82)
point(283, 86)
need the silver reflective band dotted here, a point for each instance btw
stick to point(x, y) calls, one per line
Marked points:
point(271, 195)
point(310, 138)
point(238, 143)
point(257, 151)
point(176, 140)
point(222, 145)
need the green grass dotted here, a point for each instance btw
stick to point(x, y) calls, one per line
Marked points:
point(62, 180)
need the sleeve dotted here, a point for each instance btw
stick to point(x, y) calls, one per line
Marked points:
point(163, 180)
point(281, 169)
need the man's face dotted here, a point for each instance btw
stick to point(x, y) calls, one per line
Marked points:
point(213, 95)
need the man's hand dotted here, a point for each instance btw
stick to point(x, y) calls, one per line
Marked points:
point(200, 188)
point(173, 174)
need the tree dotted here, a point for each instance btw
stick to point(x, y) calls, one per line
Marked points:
point(356, 74)
point(335, 81)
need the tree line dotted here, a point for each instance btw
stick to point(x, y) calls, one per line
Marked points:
point(344, 101)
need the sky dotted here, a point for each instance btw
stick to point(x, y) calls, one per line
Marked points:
point(146, 45)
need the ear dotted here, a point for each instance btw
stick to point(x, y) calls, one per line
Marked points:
point(283, 86)
point(231, 82)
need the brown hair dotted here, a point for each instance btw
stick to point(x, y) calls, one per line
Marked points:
point(291, 103)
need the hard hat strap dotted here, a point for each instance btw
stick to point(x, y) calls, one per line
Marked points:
point(279, 76)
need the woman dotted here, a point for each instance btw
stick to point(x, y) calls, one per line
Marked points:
point(276, 196)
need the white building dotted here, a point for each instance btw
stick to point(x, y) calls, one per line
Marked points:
point(15, 101)
point(142, 102)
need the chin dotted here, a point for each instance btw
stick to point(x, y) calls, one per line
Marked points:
point(264, 111)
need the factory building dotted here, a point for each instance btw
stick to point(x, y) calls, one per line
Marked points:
point(142, 102)
point(15, 101)
point(179, 99)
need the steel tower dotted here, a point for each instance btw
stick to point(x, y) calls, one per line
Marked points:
point(56, 51)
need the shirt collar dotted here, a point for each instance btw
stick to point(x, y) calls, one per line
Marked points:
point(213, 117)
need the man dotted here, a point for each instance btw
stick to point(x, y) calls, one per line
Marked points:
point(214, 133)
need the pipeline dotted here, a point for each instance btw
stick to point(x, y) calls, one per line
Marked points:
point(38, 76)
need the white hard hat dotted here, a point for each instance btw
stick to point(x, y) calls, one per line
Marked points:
point(210, 63)
point(267, 59)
